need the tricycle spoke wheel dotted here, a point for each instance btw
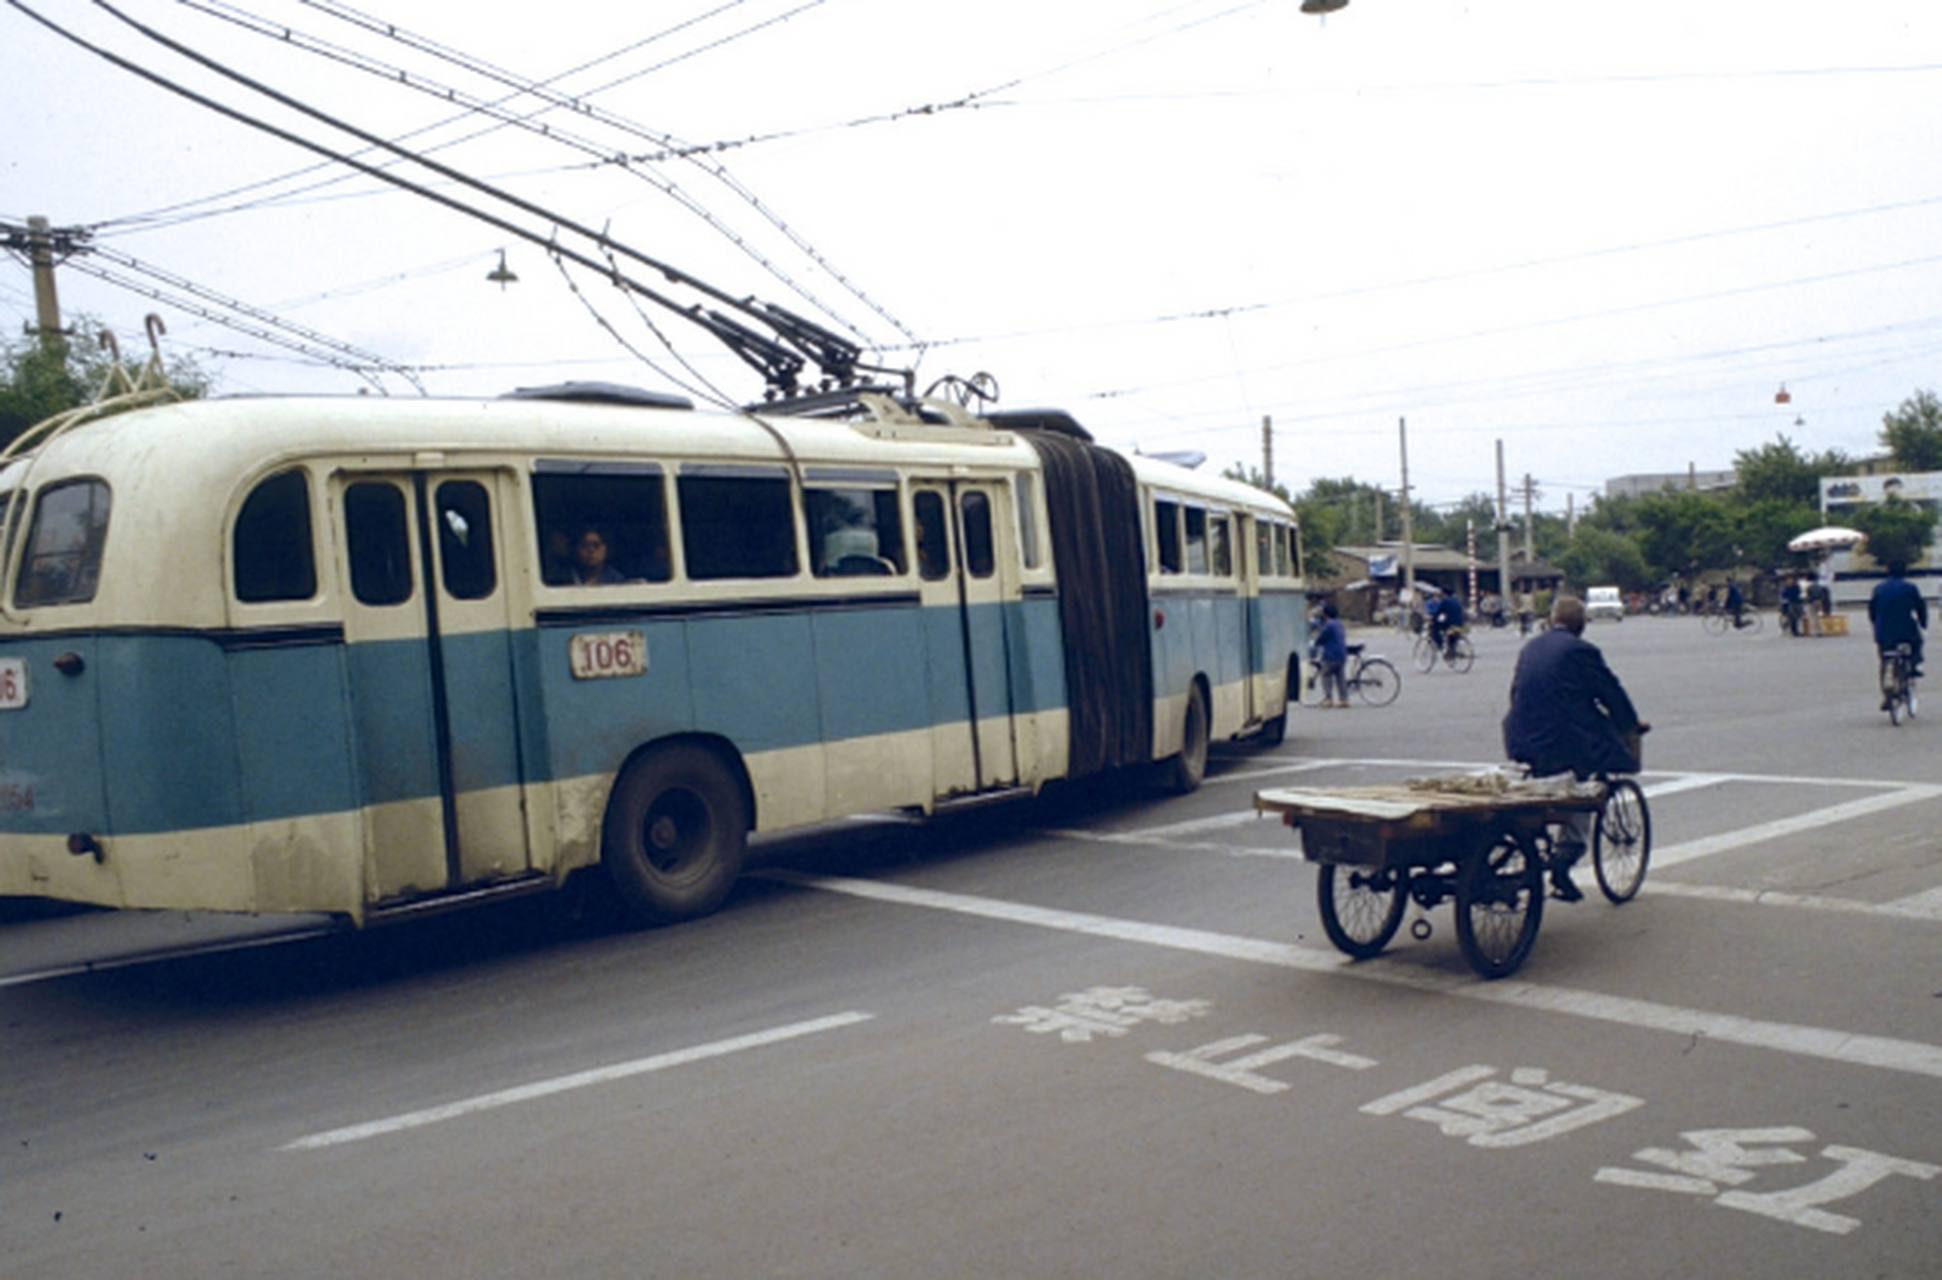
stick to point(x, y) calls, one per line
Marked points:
point(1621, 844)
point(1361, 907)
point(1499, 905)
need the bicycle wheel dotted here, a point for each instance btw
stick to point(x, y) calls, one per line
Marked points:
point(1378, 681)
point(1621, 840)
point(1461, 655)
point(1753, 623)
point(1499, 905)
point(1422, 654)
point(1714, 623)
point(1362, 907)
point(1894, 688)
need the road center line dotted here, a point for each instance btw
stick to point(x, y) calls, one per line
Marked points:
point(1908, 1056)
point(578, 1080)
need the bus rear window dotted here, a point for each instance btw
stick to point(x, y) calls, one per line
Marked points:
point(64, 545)
point(274, 553)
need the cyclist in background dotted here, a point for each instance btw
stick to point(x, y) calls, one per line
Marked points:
point(1446, 617)
point(1569, 714)
point(1899, 615)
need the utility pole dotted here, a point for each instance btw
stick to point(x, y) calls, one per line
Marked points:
point(43, 245)
point(1503, 530)
point(1530, 555)
point(1409, 543)
point(1267, 451)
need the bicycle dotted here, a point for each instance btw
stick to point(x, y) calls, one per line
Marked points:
point(1456, 652)
point(1750, 623)
point(1898, 683)
point(1371, 677)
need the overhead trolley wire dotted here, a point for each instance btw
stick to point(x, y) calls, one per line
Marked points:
point(779, 358)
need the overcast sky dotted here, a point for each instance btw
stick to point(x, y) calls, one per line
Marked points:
point(1606, 235)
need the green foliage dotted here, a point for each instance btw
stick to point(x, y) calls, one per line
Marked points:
point(38, 381)
point(1683, 531)
point(1913, 433)
point(1781, 472)
point(1596, 557)
point(1897, 529)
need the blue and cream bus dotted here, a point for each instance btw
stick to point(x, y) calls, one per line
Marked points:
point(365, 656)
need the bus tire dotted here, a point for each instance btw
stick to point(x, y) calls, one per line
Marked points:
point(675, 833)
point(1274, 730)
point(1185, 770)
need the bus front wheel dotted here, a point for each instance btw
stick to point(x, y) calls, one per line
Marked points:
point(675, 833)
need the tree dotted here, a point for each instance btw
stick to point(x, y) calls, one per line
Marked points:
point(1682, 531)
point(1598, 556)
point(1898, 530)
point(1780, 471)
point(1913, 433)
point(39, 380)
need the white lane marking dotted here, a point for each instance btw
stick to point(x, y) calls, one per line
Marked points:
point(1688, 782)
point(1927, 905)
point(578, 1080)
point(1780, 828)
point(1909, 1056)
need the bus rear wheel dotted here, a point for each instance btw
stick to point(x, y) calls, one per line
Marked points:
point(675, 834)
point(1185, 771)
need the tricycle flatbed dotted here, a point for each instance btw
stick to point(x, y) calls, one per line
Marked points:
point(1483, 839)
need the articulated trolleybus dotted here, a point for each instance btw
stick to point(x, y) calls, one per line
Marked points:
point(369, 657)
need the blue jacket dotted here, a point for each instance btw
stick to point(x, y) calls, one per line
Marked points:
point(1567, 710)
point(1898, 612)
point(1332, 641)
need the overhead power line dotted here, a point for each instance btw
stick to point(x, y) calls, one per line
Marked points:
point(778, 354)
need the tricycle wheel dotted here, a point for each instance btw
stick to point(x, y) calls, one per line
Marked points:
point(1621, 843)
point(1499, 904)
point(1361, 907)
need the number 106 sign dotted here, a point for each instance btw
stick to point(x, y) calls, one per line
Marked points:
point(608, 653)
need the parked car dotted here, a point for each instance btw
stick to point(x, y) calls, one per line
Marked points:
point(1604, 602)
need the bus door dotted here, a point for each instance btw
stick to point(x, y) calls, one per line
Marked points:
point(968, 578)
point(1251, 549)
point(432, 684)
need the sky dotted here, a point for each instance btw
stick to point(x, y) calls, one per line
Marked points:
point(1603, 238)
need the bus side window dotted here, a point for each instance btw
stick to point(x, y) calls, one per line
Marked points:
point(64, 546)
point(465, 540)
point(1196, 540)
point(975, 506)
point(1027, 488)
point(1220, 546)
point(624, 503)
point(737, 526)
point(933, 548)
point(1166, 532)
point(271, 545)
point(854, 532)
point(1264, 532)
point(379, 540)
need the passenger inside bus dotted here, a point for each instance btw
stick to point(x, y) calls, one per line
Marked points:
point(590, 565)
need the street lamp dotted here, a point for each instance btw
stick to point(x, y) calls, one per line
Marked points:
point(502, 274)
point(1323, 6)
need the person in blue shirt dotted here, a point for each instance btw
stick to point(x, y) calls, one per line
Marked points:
point(1899, 615)
point(1332, 651)
point(1446, 616)
point(1569, 714)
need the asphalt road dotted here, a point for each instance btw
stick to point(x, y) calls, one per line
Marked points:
point(1097, 1034)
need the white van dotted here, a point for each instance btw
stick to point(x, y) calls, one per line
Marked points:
point(1604, 602)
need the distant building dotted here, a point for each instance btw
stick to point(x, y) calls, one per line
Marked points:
point(1691, 478)
point(1855, 572)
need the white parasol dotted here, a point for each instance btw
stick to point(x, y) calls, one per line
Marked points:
point(1832, 537)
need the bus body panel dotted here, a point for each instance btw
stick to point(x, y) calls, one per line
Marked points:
point(331, 753)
